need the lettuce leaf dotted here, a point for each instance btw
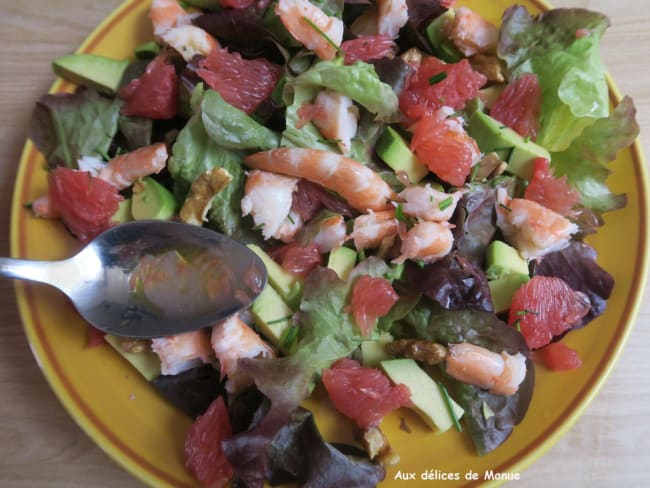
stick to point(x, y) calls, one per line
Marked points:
point(231, 128)
point(569, 67)
point(454, 282)
point(194, 153)
point(308, 135)
point(584, 162)
point(67, 126)
point(358, 81)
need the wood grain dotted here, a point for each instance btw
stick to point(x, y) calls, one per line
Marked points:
point(42, 447)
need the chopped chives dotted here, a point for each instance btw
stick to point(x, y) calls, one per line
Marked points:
point(524, 312)
point(446, 203)
point(320, 31)
point(517, 325)
point(475, 170)
point(290, 218)
point(399, 213)
point(277, 321)
point(437, 78)
point(450, 409)
point(505, 207)
point(289, 337)
point(420, 263)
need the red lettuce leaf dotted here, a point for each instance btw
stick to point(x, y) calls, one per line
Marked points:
point(191, 391)
point(475, 223)
point(453, 282)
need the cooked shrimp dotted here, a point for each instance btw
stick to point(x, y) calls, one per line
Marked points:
point(182, 352)
point(427, 203)
point(125, 169)
point(532, 228)
point(232, 340)
point(268, 198)
point(371, 229)
point(304, 20)
point(338, 118)
point(472, 34)
point(42, 207)
point(426, 242)
point(501, 374)
point(392, 15)
point(91, 164)
point(332, 233)
point(166, 14)
point(189, 40)
point(362, 188)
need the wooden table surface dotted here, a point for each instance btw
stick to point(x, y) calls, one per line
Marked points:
point(41, 446)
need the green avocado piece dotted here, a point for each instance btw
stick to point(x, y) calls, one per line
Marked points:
point(342, 260)
point(373, 352)
point(502, 259)
point(394, 151)
point(147, 50)
point(271, 315)
point(123, 213)
point(426, 396)
point(151, 200)
point(492, 136)
point(502, 290)
point(443, 47)
point(146, 362)
point(287, 285)
point(99, 72)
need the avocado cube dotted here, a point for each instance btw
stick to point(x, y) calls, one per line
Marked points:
point(271, 315)
point(426, 397)
point(443, 47)
point(123, 212)
point(342, 260)
point(502, 259)
point(146, 362)
point(394, 151)
point(151, 200)
point(287, 285)
point(502, 290)
point(492, 136)
point(91, 70)
point(373, 352)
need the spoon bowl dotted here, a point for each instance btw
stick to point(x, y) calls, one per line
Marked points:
point(152, 278)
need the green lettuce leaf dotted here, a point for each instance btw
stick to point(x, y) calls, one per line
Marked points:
point(194, 153)
point(67, 126)
point(308, 135)
point(358, 81)
point(231, 128)
point(569, 67)
point(328, 332)
point(584, 162)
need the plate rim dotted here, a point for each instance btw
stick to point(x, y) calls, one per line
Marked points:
point(151, 474)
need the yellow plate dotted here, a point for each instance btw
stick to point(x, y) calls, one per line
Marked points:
point(131, 422)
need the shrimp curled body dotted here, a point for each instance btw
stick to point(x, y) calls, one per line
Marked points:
point(501, 374)
point(360, 186)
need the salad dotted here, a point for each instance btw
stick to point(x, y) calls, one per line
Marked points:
point(417, 180)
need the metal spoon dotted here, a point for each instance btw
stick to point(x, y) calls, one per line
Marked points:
point(148, 279)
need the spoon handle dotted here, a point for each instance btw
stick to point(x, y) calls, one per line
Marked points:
point(24, 269)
